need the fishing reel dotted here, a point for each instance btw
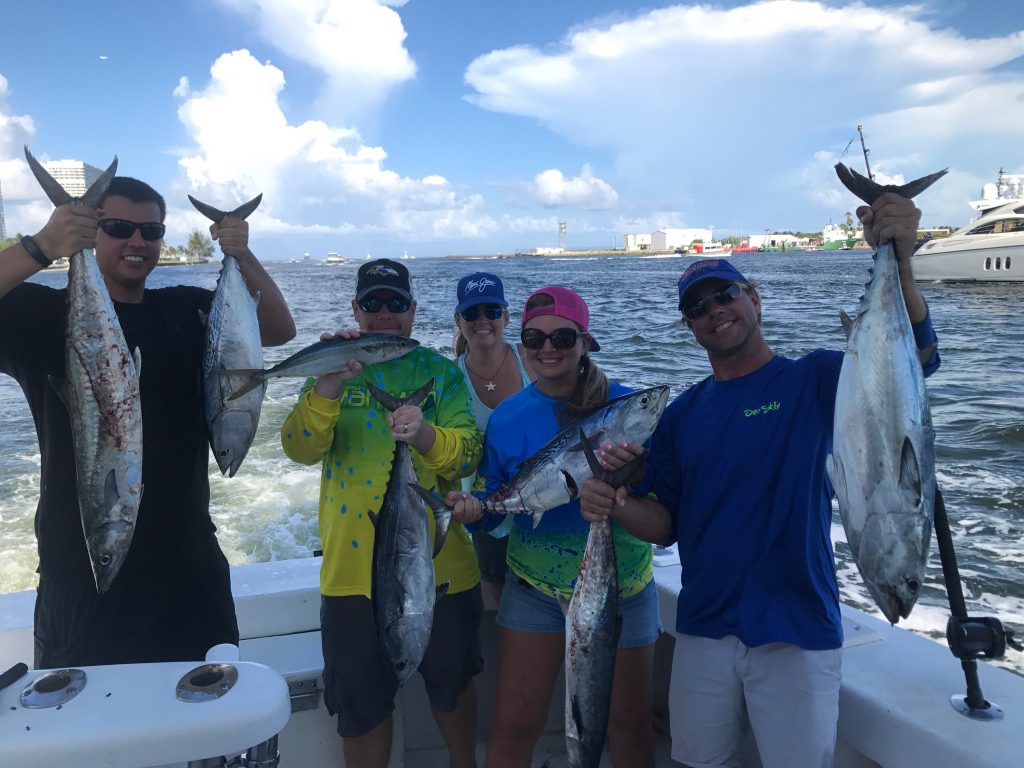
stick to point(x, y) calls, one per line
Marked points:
point(975, 637)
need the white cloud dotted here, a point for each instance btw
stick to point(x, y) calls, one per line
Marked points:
point(586, 191)
point(315, 177)
point(359, 45)
point(719, 112)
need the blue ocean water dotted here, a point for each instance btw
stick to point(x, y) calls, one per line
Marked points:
point(268, 510)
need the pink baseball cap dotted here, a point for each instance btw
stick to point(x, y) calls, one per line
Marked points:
point(566, 303)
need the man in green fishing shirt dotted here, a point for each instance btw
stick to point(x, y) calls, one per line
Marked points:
point(339, 423)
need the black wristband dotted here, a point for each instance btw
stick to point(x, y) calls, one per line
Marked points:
point(35, 251)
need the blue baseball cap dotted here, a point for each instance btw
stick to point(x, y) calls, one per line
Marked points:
point(705, 269)
point(480, 288)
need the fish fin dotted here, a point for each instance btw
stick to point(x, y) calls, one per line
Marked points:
point(869, 190)
point(203, 317)
point(137, 358)
point(243, 211)
point(834, 470)
point(213, 214)
point(442, 523)
point(249, 386)
point(577, 715)
point(595, 466)
point(570, 485)
point(910, 473)
point(111, 498)
point(442, 515)
point(373, 517)
point(563, 603)
point(847, 322)
point(442, 590)
point(924, 355)
point(537, 517)
point(256, 298)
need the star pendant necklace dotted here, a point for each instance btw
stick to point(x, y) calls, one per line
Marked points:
point(491, 386)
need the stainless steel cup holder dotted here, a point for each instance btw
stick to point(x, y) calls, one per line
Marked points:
point(52, 689)
point(206, 682)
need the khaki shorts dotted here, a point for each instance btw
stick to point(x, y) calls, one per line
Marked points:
point(789, 697)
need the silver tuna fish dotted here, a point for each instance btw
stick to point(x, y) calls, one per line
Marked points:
point(101, 392)
point(232, 341)
point(327, 357)
point(553, 475)
point(402, 590)
point(592, 627)
point(883, 458)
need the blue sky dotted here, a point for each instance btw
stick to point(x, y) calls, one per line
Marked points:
point(473, 126)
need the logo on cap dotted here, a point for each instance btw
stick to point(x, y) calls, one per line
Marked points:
point(479, 285)
point(382, 270)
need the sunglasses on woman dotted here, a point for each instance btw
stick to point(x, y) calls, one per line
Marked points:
point(491, 312)
point(122, 229)
point(561, 338)
point(727, 294)
point(372, 304)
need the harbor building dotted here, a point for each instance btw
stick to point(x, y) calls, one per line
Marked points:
point(637, 241)
point(74, 175)
point(670, 239)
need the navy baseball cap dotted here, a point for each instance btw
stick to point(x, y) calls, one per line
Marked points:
point(383, 274)
point(480, 288)
point(705, 269)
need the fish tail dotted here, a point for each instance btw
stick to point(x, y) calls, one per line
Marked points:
point(393, 403)
point(870, 190)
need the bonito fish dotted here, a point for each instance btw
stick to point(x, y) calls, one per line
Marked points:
point(402, 590)
point(101, 392)
point(328, 357)
point(232, 341)
point(882, 465)
point(553, 475)
point(592, 628)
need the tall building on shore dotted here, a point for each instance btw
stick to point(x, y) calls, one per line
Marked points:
point(3, 224)
point(74, 175)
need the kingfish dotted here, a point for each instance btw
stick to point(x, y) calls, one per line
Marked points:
point(402, 590)
point(232, 342)
point(101, 391)
point(882, 465)
point(328, 357)
point(553, 475)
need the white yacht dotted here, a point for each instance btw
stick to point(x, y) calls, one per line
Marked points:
point(334, 258)
point(989, 249)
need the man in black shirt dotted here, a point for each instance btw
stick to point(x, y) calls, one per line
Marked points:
point(172, 598)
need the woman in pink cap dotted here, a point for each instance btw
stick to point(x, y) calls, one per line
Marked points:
point(544, 562)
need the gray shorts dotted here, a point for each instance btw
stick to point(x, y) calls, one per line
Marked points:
point(788, 696)
point(359, 685)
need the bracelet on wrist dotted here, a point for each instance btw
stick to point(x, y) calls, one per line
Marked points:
point(33, 249)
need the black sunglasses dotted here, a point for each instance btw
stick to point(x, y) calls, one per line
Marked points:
point(491, 312)
point(727, 294)
point(122, 229)
point(561, 338)
point(372, 304)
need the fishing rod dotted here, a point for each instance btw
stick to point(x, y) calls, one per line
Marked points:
point(969, 637)
point(866, 151)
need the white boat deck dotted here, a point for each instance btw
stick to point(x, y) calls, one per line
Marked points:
point(894, 705)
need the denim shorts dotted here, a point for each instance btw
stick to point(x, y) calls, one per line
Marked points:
point(524, 608)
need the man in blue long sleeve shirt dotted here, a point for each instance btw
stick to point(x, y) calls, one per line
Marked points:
point(738, 468)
